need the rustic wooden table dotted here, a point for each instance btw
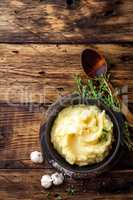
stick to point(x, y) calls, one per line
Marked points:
point(40, 46)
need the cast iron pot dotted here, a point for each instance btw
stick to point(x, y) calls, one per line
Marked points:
point(59, 162)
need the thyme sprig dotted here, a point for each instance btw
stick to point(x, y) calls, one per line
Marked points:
point(99, 88)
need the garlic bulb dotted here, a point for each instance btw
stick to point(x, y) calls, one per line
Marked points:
point(36, 157)
point(57, 178)
point(46, 181)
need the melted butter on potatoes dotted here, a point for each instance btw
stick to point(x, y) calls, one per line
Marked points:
point(82, 134)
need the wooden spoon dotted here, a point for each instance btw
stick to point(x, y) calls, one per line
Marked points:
point(94, 64)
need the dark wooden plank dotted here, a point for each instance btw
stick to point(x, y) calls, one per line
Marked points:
point(19, 135)
point(19, 132)
point(18, 184)
point(41, 73)
point(51, 21)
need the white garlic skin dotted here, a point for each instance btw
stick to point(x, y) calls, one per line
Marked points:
point(46, 181)
point(36, 157)
point(57, 178)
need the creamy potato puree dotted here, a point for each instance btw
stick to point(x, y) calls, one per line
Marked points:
point(82, 134)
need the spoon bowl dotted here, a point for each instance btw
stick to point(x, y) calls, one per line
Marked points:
point(94, 63)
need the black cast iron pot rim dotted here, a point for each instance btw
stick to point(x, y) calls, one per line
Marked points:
point(52, 154)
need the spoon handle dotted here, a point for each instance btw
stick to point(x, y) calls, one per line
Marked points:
point(127, 113)
point(124, 109)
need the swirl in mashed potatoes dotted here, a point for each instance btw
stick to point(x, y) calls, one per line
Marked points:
point(82, 134)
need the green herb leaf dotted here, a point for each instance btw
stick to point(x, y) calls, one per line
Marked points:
point(71, 190)
point(104, 136)
point(58, 197)
point(48, 195)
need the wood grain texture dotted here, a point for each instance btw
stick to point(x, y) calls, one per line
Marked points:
point(51, 21)
point(41, 73)
point(32, 76)
point(19, 131)
point(25, 185)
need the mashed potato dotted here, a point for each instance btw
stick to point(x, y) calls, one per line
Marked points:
point(82, 134)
